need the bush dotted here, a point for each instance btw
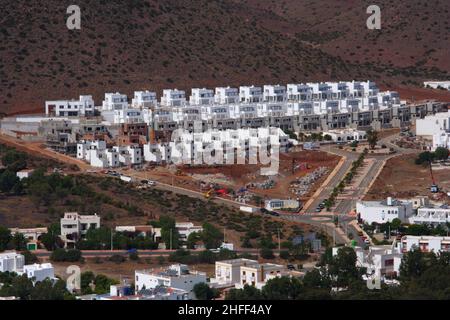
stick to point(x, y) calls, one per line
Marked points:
point(266, 253)
point(117, 258)
point(70, 255)
point(134, 256)
point(284, 254)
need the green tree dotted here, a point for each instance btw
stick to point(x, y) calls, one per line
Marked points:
point(8, 180)
point(441, 153)
point(18, 242)
point(5, 238)
point(246, 293)
point(372, 138)
point(266, 253)
point(282, 288)
point(204, 292)
point(211, 236)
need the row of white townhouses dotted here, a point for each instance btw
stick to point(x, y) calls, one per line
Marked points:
point(412, 211)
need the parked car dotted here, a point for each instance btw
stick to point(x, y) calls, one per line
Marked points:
point(290, 267)
point(151, 182)
point(318, 209)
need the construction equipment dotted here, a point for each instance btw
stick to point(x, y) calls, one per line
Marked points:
point(213, 192)
point(434, 187)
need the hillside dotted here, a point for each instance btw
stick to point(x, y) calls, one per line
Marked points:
point(155, 44)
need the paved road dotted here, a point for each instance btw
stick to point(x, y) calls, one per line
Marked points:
point(108, 253)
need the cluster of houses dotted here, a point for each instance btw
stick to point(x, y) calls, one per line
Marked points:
point(417, 210)
point(436, 129)
point(177, 281)
point(74, 227)
point(120, 132)
point(384, 261)
point(15, 262)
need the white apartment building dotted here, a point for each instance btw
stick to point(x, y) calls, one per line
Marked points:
point(228, 272)
point(11, 262)
point(144, 99)
point(201, 96)
point(384, 211)
point(186, 228)
point(96, 154)
point(125, 115)
point(250, 94)
point(157, 152)
point(441, 139)
point(75, 226)
point(433, 124)
point(299, 92)
point(39, 272)
point(346, 135)
point(226, 95)
point(437, 84)
point(274, 93)
point(258, 274)
point(115, 101)
point(432, 215)
point(177, 276)
point(70, 108)
point(129, 154)
point(424, 243)
point(173, 98)
point(225, 143)
point(380, 261)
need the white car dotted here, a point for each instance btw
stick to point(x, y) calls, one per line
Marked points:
point(151, 182)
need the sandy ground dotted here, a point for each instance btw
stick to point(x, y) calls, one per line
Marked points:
point(402, 178)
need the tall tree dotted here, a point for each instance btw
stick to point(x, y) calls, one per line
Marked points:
point(372, 138)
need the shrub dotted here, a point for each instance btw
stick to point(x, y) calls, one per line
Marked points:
point(117, 258)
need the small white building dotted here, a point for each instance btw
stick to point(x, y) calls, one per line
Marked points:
point(280, 204)
point(177, 276)
point(201, 96)
point(186, 228)
point(384, 211)
point(346, 135)
point(70, 108)
point(39, 272)
point(424, 243)
point(380, 261)
point(25, 173)
point(441, 139)
point(226, 95)
point(31, 234)
point(96, 154)
point(125, 115)
point(274, 93)
point(75, 226)
point(144, 99)
point(129, 154)
point(433, 125)
point(11, 262)
point(228, 272)
point(115, 101)
point(250, 94)
point(258, 274)
point(173, 98)
point(431, 215)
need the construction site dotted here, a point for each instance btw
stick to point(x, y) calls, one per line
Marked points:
point(299, 175)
